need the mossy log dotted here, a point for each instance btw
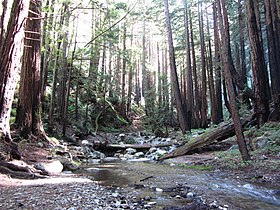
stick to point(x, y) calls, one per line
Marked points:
point(220, 133)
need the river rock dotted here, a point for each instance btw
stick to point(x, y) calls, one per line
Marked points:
point(128, 156)
point(139, 154)
point(97, 155)
point(94, 161)
point(130, 151)
point(260, 142)
point(87, 143)
point(52, 167)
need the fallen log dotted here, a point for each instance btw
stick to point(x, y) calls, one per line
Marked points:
point(218, 134)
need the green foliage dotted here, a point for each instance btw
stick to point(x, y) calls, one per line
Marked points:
point(197, 167)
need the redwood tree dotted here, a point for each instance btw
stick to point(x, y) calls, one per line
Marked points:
point(260, 79)
point(228, 64)
point(11, 52)
point(28, 112)
point(174, 77)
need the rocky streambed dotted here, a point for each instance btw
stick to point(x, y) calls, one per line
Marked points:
point(129, 178)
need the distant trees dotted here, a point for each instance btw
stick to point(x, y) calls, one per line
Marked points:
point(121, 63)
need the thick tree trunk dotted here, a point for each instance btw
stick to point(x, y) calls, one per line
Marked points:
point(196, 119)
point(218, 75)
point(242, 50)
point(214, 111)
point(203, 109)
point(28, 117)
point(228, 64)
point(189, 88)
point(10, 63)
point(261, 105)
point(175, 84)
point(273, 37)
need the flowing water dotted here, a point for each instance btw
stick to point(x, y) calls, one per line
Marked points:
point(162, 183)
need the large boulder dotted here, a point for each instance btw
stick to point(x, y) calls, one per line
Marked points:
point(52, 167)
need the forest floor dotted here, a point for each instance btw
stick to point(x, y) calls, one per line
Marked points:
point(62, 191)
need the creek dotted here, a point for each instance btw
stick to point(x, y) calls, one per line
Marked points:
point(174, 186)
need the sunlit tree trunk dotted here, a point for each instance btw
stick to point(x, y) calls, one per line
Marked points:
point(174, 77)
point(10, 62)
point(28, 117)
point(123, 82)
point(47, 52)
point(130, 75)
point(55, 73)
point(159, 87)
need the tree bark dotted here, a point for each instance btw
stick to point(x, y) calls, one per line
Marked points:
point(189, 88)
point(28, 117)
point(218, 134)
point(218, 75)
point(261, 105)
point(273, 37)
point(10, 63)
point(175, 83)
point(228, 64)
point(203, 110)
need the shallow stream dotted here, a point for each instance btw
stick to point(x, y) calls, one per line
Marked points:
point(175, 186)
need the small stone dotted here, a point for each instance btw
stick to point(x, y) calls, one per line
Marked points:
point(152, 203)
point(178, 196)
point(147, 198)
point(115, 195)
point(214, 204)
point(130, 151)
point(172, 164)
point(159, 189)
point(139, 154)
point(190, 194)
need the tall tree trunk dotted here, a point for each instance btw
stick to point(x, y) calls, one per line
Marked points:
point(46, 54)
point(273, 37)
point(261, 105)
point(214, 111)
point(175, 84)
point(228, 64)
point(189, 88)
point(55, 74)
point(123, 82)
point(218, 78)
point(28, 113)
point(203, 109)
point(68, 85)
point(159, 87)
point(10, 63)
point(130, 75)
point(64, 70)
point(197, 118)
point(242, 50)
